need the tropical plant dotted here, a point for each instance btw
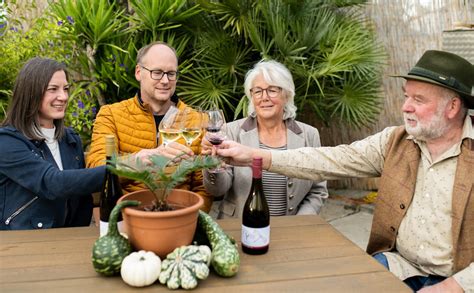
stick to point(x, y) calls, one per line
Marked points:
point(161, 174)
point(27, 38)
point(328, 45)
point(3, 17)
point(22, 39)
point(97, 27)
point(81, 111)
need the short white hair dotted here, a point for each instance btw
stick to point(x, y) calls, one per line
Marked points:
point(275, 74)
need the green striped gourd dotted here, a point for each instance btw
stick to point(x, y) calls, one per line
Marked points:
point(225, 257)
point(110, 250)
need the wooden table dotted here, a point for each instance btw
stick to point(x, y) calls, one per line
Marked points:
point(306, 255)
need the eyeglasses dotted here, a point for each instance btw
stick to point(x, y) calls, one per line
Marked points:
point(272, 92)
point(158, 74)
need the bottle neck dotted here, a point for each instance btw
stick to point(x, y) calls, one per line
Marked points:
point(256, 172)
point(109, 150)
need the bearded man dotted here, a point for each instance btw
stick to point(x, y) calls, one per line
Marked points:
point(423, 227)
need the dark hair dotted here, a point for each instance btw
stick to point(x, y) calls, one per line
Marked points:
point(30, 86)
point(142, 52)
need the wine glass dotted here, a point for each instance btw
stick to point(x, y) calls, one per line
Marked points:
point(215, 130)
point(192, 125)
point(170, 126)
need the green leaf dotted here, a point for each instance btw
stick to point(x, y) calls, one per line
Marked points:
point(161, 173)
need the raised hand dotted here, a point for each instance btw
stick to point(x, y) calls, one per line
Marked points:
point(235, 153)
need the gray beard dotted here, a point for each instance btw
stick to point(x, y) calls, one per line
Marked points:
point(434, 129)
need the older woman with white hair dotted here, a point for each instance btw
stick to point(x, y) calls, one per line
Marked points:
point(271, 125)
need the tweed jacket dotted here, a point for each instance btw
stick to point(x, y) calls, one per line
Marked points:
point(34, 193)
point(397, 187)
point(133, 125)
point(303, 196)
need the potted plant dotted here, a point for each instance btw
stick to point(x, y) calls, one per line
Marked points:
point(166, 217)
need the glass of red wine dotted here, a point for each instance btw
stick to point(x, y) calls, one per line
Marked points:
point(215, 130)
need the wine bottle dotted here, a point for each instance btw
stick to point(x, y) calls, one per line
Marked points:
point(111, 190)
point(256, 215)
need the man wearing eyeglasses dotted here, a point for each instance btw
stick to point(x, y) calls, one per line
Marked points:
point(134, 122)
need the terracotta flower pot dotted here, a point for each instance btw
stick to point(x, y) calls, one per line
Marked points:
point(161, 232)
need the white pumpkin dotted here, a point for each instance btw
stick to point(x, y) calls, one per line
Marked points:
point(141, 268)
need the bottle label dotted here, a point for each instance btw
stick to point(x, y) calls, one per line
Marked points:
point(104, 227)
point(255, 237)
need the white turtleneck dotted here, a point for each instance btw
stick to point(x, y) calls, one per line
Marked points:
point(53, 145)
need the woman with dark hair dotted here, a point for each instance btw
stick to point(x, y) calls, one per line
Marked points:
point(43, 183)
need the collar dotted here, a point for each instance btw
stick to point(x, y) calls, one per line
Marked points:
point(468, 129)
point(69, 135)
point(251, 123)
point(174, 98)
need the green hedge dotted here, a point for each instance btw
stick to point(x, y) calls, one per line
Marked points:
point(328, 46)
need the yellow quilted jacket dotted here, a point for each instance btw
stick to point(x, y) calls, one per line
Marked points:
point(134, 127)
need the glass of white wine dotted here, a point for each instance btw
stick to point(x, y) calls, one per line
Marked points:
point(192, 124)
point(170, 125)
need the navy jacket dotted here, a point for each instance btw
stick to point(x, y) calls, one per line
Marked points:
point(34, 193)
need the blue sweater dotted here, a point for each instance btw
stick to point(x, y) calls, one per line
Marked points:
point(34, 193)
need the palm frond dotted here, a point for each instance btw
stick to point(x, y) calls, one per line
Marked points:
point(96, 21)
point(241, 108)
point(356, 102)
point(206, 89)
point(236, 15)
point(277, 20)
point(230, 59)
point(153, 16)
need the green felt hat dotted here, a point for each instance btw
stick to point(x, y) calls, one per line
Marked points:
point(447, 70)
